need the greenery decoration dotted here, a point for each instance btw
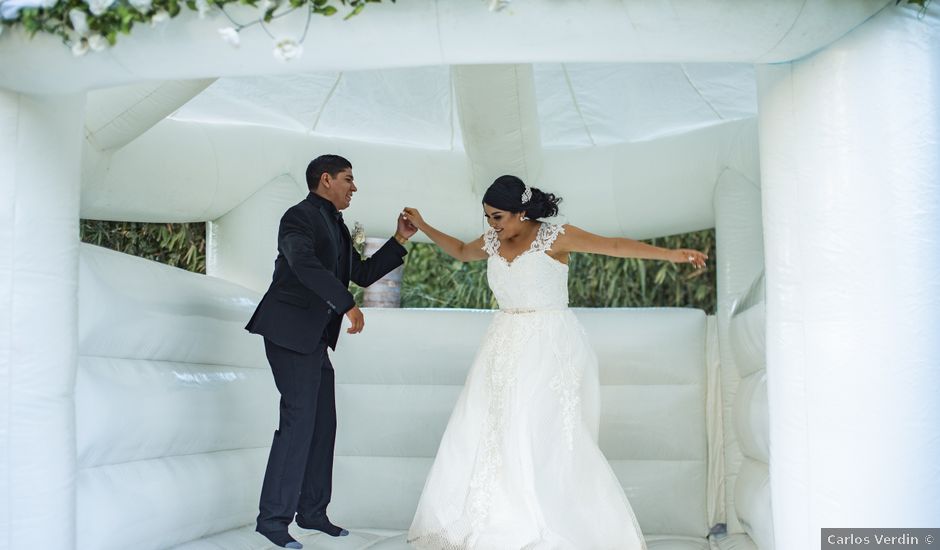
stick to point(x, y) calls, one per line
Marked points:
point(94, 25)
point(922, 3)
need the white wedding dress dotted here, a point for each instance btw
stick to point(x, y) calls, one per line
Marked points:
point(518, 466)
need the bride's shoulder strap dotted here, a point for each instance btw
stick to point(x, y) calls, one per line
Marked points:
point(546, 236)
point(490, 242)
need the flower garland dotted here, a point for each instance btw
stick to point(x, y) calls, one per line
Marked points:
point(94, 25)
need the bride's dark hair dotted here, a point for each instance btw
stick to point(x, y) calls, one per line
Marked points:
point(506, 194)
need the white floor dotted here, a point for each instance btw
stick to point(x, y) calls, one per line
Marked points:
point(378, 539)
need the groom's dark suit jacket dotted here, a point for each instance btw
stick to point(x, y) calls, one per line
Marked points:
point(309, 292)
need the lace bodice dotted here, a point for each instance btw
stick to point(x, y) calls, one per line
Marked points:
point(533, 280)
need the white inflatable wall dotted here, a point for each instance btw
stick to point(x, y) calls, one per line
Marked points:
point(174, 409)
point(174, 405)
point(741, 315)
point(851, 204)
point(39, 181)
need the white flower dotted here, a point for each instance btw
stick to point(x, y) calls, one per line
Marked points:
point(286, 49)
point(80, 47)
point(143, 6)
point(159, 17)
point(230, 35)
point(97, 42)
point(497, 5)
point(265, 5)
point(79, 21)
point(202, 6)
point(98, 7)
point(359, 234)
point(9, 10)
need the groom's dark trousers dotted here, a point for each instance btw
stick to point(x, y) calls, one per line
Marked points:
point(300, 316)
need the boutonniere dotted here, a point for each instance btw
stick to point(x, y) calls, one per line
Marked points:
point(358, 235)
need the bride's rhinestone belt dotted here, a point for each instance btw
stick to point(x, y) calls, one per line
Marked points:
point(516, 310)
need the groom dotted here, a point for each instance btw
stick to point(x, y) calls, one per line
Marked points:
point(299, 316)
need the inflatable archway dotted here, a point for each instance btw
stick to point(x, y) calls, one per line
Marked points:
point(135, 411)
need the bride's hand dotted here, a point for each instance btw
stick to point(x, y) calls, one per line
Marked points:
point(689, 256)
point(413, 216)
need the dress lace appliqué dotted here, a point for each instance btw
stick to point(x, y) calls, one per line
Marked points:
point(567, 384)
point(490, 242)
point(546, 236)
point(499, 379)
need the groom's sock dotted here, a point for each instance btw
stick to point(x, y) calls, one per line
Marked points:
point(282, 539)
point(321, 524)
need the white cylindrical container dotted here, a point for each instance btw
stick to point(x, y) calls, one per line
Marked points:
point(386, 292)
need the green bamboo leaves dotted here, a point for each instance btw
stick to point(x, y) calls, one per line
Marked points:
point(434, 279)
point(180, 245)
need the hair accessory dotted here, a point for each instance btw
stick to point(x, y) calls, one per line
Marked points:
point(527, 194)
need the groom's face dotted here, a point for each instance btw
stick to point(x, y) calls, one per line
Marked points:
point(339, 190)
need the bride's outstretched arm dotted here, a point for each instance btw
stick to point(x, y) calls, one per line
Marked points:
point(454, 247)
point(576, 239)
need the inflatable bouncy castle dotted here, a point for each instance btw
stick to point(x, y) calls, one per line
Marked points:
point(135, 411)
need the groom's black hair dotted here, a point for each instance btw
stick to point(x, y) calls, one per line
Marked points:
point(506, 194)
point(331, 164)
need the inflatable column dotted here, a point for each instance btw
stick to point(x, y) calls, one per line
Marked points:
point(499, 121)
point(242, 244)
point(850, 163)
point(40, 155)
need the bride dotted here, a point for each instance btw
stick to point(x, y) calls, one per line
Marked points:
point(518, 466)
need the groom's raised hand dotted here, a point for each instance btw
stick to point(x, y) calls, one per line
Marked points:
point(405, 228)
